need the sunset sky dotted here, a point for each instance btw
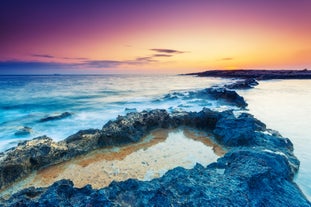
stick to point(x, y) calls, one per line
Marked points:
point(171, 36)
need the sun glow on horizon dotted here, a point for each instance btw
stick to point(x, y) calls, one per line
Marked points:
point(175, 36)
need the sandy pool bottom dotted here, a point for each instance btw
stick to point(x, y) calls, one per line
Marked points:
point(157, 153)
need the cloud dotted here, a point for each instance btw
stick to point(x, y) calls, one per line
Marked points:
point(142, 60)
point(32, 67)
point(226, 59)
point(100, 63)
point(169, 51)
point(43, 55)
point(30, 64)
point(74, 58)
point(79, 62)
point(162, 55)
point(87, 64)
point(116, 63)
point(56, 57)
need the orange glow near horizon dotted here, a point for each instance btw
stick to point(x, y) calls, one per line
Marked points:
point(201, 35)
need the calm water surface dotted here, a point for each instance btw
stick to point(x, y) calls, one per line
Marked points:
point(285, 105)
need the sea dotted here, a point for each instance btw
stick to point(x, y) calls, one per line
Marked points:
point(93, 100)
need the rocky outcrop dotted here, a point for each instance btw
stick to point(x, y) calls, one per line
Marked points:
point(242, 84)
point(56, 117)
point(220, 94)
point(226, 95)
point(243, 177)
point(257, 170)
point(131, 128)
point(30, 155)
point(43, 151)
point(256, 74)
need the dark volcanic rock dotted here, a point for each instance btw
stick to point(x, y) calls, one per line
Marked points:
point(28, 156)
point(82, 142)
point(131, 128)
point(41, 152)
point(257, 74)
point(257, 170)
point(221, 94)
point(56, 117)
point(243, 177)
point(243, 84)
point(232, 131)
point(227, 95)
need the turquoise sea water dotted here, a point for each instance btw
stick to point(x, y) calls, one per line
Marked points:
point(283, 105)
point(92, 100)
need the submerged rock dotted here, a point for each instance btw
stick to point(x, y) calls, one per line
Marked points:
point(128, 110)
point(56, 117)
point(24, 131)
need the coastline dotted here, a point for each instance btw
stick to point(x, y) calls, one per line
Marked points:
point(137, 160)
point(253, 145)
point(256, 74)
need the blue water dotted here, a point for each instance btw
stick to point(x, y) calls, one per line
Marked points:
point(93, 100)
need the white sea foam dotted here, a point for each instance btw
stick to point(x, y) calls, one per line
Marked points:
point(93, 100)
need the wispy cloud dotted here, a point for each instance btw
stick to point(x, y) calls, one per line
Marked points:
point(58, 63)
point(74, 58)
point(169, 51)
point(87, 64)
point(116, 63)
point(100, 63)
point(32, 65)
point(226, 59)
point(162, 55)
point(42, 55)
point(147, 59)
point(56, 57)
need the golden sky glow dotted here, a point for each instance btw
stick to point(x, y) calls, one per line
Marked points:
point(119, 36)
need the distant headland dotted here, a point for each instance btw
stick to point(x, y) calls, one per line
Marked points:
point(256, 74)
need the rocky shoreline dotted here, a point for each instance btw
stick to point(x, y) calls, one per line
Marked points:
point(257, 170)
point(256, 74)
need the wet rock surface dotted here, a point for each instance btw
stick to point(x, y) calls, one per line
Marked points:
point(243, 177)
point(220, 94)
point(24, 131)
point(227, 95)
point(30, 155)
point(243, 84)
point(257, 170)
point(56, 117)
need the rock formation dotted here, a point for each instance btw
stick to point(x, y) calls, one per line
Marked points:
point(256, 74)
point(257, 170)
point(55, 117)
